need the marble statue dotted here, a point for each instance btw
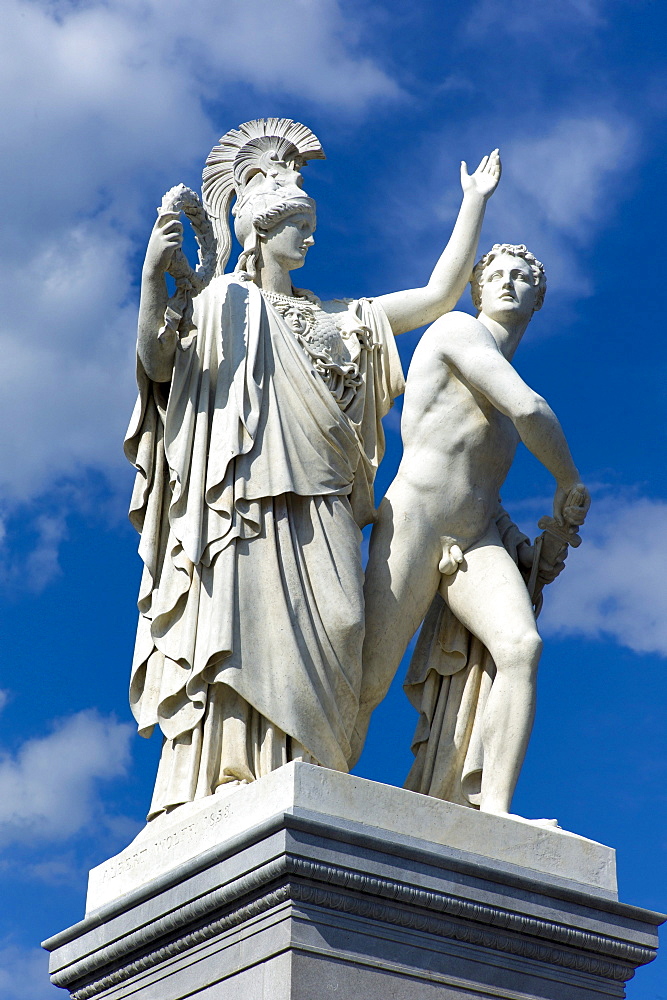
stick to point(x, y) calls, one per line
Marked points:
point(444, 548)
point(256, 438)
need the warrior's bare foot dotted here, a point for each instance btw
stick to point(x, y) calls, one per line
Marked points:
point(549, 824)
point(230, 786)
point(546, 823)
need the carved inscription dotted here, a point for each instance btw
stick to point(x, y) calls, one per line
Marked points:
point(124, 864)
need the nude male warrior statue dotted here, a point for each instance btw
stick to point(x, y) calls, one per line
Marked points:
point(440, 524)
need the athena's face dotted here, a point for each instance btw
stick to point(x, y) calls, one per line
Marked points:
point(508, 289)
point(288, 242)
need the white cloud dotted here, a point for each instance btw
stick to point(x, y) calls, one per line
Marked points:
point(24, 974)
point(565, 172)
point(558, 189)
point(42, 565)
point(495, 16)
point(613, 586)
point(67, 377)
point(32, 568)
point(57, 869)
point(48, 788)
point(104, 102)
point(98, 94)
point(560, 185)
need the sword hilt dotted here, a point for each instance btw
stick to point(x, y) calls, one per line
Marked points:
point(568, 534)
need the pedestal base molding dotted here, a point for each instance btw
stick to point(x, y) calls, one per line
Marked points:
point(306, 905)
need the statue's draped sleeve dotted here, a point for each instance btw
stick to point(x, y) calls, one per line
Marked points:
point(245, 423)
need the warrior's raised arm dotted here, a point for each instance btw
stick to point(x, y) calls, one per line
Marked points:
point(416, 307)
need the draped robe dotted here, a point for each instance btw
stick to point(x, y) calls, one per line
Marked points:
point(251, 488)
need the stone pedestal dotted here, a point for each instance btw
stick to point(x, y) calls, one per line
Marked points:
point(311, 884)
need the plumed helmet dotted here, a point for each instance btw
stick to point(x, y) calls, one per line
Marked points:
point(260, 164)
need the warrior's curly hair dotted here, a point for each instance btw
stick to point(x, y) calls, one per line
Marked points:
point(513, 250)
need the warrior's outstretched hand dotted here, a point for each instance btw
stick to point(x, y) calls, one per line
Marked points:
point(485, 179)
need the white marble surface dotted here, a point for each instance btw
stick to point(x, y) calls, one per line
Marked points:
point(438, 538)
point(201, 825)
point(253, 482)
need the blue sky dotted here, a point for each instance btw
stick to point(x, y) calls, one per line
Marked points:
point(108, 104)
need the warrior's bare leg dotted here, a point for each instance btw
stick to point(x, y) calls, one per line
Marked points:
point(489, 597)
point(397, 598)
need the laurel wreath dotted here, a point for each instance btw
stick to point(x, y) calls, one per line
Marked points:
point(188, 279)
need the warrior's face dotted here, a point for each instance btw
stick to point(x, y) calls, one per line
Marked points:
point(288, 242)
point(508, 289)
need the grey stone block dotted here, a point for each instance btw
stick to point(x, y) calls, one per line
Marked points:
point(309, 907)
